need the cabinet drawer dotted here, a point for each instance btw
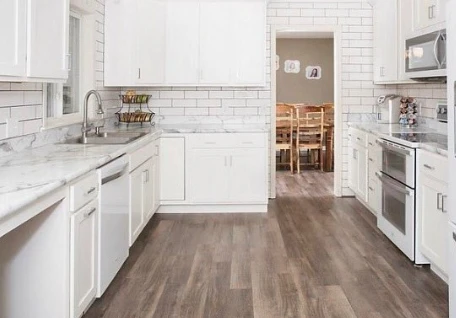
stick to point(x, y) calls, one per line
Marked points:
point(141, 155)
point(372, 142)
point(436, 166)
point(83, 191)
point(227, 140)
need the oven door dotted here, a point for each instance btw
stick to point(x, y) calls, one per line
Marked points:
point(398, 162)
point(397, 217)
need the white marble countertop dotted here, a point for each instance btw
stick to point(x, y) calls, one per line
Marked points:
point(386, 131)
point(31, 174)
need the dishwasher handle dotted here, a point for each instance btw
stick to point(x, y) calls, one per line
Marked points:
point(115, 174)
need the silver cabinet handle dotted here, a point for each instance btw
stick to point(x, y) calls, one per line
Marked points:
point(454, 236)
point(443, 203)
point(157, 150)
point(139, 73)
point(370, 188)
point(429, 12)
point(226, 161)
point(370, 144)
point(91, 190)
point(370, 159)
point(90, 212)
point(439, 195)
point(429, 167)
point(231, 161)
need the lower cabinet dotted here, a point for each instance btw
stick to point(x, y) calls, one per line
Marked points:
point(224, 170)
point(358, 171)
point(143, 195)
point(172, 169)
point(432, 206)
point(83, 255)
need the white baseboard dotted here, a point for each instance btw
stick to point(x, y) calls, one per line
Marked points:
point(226, 208)
point(439, 273)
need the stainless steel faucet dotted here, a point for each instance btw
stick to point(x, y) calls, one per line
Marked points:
point(85, 125)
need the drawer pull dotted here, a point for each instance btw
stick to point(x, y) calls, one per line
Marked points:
point(439, 195)
point(454, 236)
point(370, 159)
point(428, 167)
point(370, 188)
point(357, 138)
point(371, 144)
point(210, 143)
point(90, 212)
point(247, 143)
point(91, 190)
point(443, 203)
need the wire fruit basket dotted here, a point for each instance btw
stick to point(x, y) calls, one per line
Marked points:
point(136, 111)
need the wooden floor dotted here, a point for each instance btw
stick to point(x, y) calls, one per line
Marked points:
point(311, 255)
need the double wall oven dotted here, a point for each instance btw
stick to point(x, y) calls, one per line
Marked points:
point(397, 219)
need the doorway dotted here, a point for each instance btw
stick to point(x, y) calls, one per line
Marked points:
point(305, 77)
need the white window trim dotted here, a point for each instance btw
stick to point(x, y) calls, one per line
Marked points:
point(87, 64)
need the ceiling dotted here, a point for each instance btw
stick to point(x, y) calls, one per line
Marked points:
point(290, 34)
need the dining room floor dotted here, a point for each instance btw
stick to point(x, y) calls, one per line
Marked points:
point(312, 255)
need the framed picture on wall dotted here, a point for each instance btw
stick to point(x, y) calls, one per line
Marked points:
point(292, 66)
point(313, 72)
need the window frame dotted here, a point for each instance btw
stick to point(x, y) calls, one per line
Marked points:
point(86, 70)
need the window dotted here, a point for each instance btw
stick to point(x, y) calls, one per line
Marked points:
point(63, 102)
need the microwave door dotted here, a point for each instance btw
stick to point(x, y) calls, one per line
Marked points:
point(426, 52)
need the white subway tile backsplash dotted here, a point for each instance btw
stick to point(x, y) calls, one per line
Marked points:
point(23, 112)
point(172, 94)
point(209, 103)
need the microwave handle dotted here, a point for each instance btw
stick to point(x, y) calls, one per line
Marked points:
point(436, 50)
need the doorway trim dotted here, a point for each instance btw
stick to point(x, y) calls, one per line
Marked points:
point(338, 122)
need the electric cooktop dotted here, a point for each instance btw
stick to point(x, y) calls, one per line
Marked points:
point(422, 138)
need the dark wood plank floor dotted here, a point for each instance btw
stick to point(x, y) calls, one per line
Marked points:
point(311, 255)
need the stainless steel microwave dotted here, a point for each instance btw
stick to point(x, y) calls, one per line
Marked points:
point(425, 57)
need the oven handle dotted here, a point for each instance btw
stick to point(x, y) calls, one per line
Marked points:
point(383, 144)
point(393, 185)
point(436, 53)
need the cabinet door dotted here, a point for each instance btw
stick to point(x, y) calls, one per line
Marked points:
point(182, 42)
point(428, 13)
point(385, 41)
point(353, 168)
point(148, 190)
point(434, 218)
point(375, 195)
point(48, 39)
point(155, 180)
point(248, 176)
point(136, 203)
point(249, 24)
point(362, 173)
point(216, 38)
point(208, 178)
point(83, 258)
point(150, 32)
point(119, 68)
point(172, 168)
point(13, 21)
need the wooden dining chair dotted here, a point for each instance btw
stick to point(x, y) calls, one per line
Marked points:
point(329, 136)
point(309, 134)
point(284, 133)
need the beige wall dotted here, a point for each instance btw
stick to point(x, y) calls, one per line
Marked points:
point(296, 88)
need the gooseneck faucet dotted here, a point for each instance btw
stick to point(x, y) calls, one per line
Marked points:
point(85, 125)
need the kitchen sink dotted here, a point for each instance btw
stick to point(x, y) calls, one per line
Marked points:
point(107, 138)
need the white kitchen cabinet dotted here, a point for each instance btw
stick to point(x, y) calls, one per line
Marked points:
point(137, 178)
point(385, 41)
point(186, 43)
point(247, 175)
point(222, 170)
point(434, 218)
point(13, 32)
point(172, 169)
point(135, 51)
point(216, 38)
point(249, 44)
point(358, 164)
point(208, 175)
point(155, 183)
point(428, 13)
point(182, 42)
point(48, 39)
point(362, 173)
point(150, 37)
point(353, 168)
point(83, 253)
point(35, 40)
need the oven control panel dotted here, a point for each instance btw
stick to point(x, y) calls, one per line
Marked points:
point(442, 112)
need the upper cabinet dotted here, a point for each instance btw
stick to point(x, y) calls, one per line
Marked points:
point(35, 45)
point(13, 20)
point(207, 43)
point(428, 13)
point(385, 41)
